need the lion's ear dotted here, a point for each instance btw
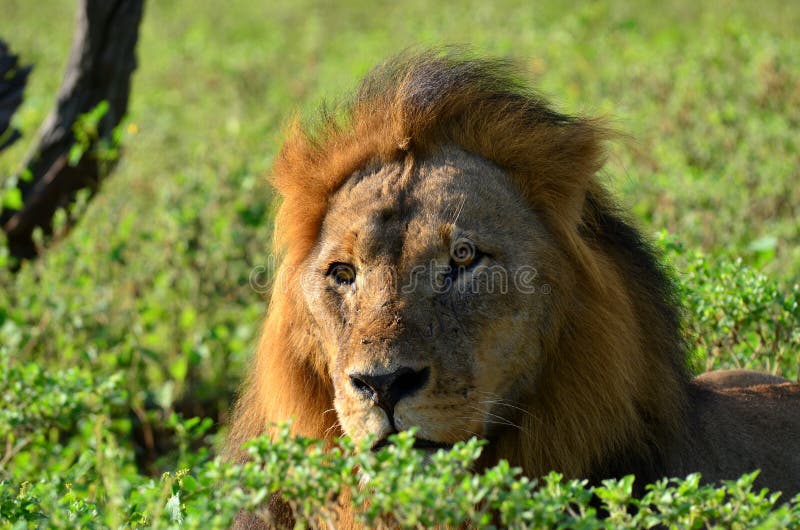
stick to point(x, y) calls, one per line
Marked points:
point(561, 167)
point(551, 158)
point(553, 163)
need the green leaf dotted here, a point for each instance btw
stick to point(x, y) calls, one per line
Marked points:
point(12, 198)
point(178, 368)
point(189, 483)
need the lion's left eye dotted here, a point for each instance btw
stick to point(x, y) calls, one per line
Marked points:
point(463, 254)
point(342, 273)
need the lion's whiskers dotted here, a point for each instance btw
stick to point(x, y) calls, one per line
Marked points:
point(333, 426)
point(499, 420)
point(497, 400)
point(468, 431)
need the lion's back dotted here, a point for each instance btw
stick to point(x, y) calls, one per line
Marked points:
point(737, 429)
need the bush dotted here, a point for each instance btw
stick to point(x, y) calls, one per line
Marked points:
point(67, 461)
point(144, 314)
point(736, 316)
point(394, 487)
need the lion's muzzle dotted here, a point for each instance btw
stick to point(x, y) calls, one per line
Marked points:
point(386, 390)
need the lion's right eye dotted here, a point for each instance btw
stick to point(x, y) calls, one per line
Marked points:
point(342, 273)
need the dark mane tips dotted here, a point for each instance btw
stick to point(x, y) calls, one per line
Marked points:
point(424, 92)
point(652, 281)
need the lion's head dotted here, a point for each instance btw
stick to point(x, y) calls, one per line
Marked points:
point(451, 262)
point(426, 300)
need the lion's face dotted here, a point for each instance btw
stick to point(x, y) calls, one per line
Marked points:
point(429, 292)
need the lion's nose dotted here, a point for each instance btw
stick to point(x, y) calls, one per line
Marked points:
point(387, 389)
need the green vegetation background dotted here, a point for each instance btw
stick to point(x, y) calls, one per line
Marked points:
point(147, 303)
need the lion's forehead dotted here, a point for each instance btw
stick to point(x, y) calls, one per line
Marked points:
point(400, 211)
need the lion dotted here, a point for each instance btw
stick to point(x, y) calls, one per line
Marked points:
point(451, 261)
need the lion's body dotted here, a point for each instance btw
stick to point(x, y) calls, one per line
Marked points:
point(737, 378)
point(451, 262)
point(733, 429)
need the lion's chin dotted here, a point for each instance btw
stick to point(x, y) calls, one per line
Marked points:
point(419, 443)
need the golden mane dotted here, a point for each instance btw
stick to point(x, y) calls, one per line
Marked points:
point(613, 386)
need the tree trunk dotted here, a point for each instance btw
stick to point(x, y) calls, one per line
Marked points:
point(12, 84)
point(99, 69)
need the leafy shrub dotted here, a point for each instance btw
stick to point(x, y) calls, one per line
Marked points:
point(395, 487)
point(736, 316)
point(64, 464)
point(145, 314)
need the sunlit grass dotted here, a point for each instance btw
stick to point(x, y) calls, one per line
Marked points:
point(153, 283)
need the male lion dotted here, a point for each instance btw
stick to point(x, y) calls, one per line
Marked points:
point(452, 262)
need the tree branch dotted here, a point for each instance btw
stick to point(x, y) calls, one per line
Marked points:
point(99, 68)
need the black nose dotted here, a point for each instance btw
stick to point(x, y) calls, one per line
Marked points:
point(387, 389)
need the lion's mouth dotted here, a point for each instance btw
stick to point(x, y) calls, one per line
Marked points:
point(419, 443)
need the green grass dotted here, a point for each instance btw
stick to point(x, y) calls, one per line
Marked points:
point(153, 283)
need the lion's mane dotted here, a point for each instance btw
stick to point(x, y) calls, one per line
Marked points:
point(614, 378)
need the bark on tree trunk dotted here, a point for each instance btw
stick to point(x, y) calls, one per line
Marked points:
point(100, 65)
point(12, 83)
